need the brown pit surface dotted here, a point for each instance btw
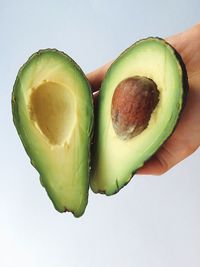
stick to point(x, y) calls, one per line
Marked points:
point(133, 102)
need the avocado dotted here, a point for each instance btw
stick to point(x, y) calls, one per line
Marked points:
point(53, 114)
point(139, 104)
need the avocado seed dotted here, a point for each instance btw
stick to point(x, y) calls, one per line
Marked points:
point(133, 102)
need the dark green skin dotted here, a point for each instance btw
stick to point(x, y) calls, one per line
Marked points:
point(185, 87)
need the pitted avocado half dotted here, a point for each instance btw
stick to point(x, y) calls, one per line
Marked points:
point(53, 113)
point(139, 104)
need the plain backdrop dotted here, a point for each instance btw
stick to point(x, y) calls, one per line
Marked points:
point(152, 222)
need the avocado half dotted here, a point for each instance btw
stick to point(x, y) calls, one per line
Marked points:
point(117, 153)
point(53, 113)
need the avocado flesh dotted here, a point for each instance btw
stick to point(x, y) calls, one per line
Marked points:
point(53, 114)
point(116, 160)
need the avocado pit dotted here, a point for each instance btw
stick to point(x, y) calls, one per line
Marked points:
point(133, 102)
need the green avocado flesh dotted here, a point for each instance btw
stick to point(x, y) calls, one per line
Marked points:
point(53, 113)
point(117, 159)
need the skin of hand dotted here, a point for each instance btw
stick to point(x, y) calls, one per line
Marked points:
point(186, 137)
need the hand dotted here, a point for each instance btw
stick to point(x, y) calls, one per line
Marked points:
point(186, 137)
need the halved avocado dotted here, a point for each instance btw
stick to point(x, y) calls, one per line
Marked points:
point(139, 104)
point(53, 113)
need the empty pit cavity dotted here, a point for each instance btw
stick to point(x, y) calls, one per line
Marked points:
point(52, 107)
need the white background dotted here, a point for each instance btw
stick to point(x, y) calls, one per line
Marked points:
point(152, 222)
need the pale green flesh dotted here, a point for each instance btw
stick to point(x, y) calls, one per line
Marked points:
point(116, 159)
point(60, 153)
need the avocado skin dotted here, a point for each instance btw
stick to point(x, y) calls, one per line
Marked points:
point(184, 79)
point(185, 86)
point(16, 121)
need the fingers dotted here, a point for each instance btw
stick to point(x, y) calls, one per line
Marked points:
point(157, 165)
point(152, 167)
point(160, 163)
point(181, 144)
point(170, 154)
point(95, 77)
point(185, 139)
point(184, 44)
